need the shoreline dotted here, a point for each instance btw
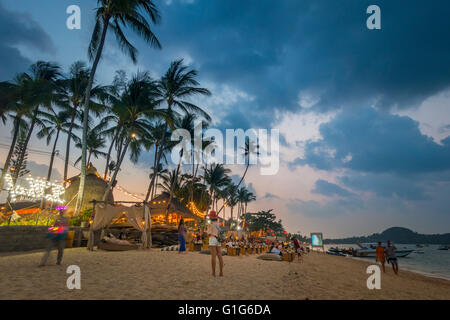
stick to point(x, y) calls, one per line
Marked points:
point(407, 268)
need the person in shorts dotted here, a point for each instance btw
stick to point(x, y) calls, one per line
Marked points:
point(391, 257)
point(214, 245)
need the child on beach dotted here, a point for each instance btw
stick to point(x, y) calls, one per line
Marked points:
point(214, 243)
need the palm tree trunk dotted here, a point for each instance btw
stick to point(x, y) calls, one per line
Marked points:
point(150, 188)
point(21, 156)
point(109, 154)
point(69, 140)
point(242, 179)
point(50, 166)
point(85, 118)
point(116, 171)
point(172, 187)
point(161, 148)
point(11, 150)
point(89, 158)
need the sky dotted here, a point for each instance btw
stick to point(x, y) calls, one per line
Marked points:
point(363, 114)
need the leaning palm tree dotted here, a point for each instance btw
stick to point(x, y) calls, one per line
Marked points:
point(71, 91)
point(115, 15)
point(250, 148)
point(55, 123)
point(18, 100)
point(43, 79)
point(159, 172)
point(138, 99)
point(178, 84)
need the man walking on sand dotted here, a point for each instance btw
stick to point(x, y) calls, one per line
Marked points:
point(381, 255)
point(391, 257)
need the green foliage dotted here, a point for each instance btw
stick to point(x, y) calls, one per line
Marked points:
point(84, 215)
point(263, 220)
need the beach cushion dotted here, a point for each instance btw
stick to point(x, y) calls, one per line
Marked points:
point(270, 256)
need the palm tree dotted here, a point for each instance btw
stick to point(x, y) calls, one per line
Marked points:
point(138, 99)
point(71, 91)
point(249, 149)
point(43, 78)
point(57, 123)
point(95, 143)
point(17, 100)
point(171, 181)
point(216, 177)
point(158, 132)
point(159, 172)
point(114, 14)
point(117, 117)
point(174, 87)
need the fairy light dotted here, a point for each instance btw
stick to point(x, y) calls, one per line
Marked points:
point(193, 208)
point(36, 190)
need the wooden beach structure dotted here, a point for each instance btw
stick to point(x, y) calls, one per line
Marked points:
point(146, 217)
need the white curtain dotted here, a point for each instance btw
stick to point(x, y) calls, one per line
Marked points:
point(138, 217)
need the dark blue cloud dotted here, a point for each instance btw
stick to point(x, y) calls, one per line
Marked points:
point(388, 185)
point(375, 141)
point(330, 189)
point(273, 50)
point(19, 29)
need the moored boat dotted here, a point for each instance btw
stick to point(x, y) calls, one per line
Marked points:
point(368, 250)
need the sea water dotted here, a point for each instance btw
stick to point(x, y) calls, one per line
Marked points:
point(432, 262)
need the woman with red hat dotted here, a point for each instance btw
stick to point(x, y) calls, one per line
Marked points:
point(214, 243)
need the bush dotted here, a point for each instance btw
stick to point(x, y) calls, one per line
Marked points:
point(84, 215)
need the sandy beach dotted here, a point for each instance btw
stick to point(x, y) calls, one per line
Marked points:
point(168, 275)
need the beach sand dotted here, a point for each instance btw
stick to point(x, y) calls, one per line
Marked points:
point(168, 275)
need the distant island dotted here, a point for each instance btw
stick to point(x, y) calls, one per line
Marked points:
point(396, 235)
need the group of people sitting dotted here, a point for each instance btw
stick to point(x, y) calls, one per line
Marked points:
point(292, 246)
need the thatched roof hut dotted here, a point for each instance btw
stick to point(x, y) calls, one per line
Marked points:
point(94, 189)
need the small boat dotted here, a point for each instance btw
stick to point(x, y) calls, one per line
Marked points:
point(368, 250)
point(444, 248)
point(336, 253)
point(419, 245)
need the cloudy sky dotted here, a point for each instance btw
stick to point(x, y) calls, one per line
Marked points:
point(363, 114)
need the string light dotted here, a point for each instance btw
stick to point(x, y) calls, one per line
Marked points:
point(37, 190)
point(193, 208)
